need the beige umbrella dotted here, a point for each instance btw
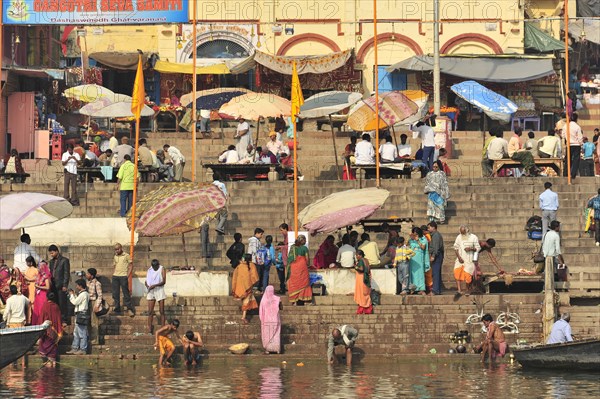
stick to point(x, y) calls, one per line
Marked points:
point(88, 93)
point(187, 99)
point(252, 106)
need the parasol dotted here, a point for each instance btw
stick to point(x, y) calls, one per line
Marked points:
point(491, 103)
point(327, 103)
point(120, 109)
point(21, 210)
point(88, 93)
point(187, 99)
point(215, 100)
point(176, 209)
point(252, 106)
point(341, 209)
point(394, 107)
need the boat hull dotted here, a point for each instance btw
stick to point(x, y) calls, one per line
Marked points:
point(15, 342)
point(580, 355)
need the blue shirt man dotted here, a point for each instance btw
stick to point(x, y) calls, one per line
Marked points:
point(561, 331)
point(548, 205)
point(588, 150)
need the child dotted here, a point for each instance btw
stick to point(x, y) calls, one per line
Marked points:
point(191, 342)
point(164, 344)
point(403, 255)
point(279, 265)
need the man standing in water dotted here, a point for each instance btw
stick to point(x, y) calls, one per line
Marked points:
point(164, 344)
point(344, 335)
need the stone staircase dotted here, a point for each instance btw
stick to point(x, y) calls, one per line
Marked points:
point(398, 326)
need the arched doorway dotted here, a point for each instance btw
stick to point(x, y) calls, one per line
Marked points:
point(218, 46)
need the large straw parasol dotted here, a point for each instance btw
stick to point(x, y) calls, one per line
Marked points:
point(176, 209)
point(394, 107)
point(21, 210)
point(341, 209)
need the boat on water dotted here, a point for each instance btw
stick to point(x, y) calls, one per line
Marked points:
point(576, 355)
point(15, 342)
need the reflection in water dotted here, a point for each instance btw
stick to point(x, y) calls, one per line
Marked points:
point(266, 378)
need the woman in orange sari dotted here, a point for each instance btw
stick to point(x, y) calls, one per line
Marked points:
point(244, 278)
point(362, 287)
point(297, 277)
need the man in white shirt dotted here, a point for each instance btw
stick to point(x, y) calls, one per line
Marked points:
point(274, 145)
point(561, 330)
point(22, 252)
point(364, 152)
point(404, 150)
point(122, 149)
point(388, 150)
point(427, 135)
point(230, 155)
point(576, 141)
point(17, 311)
point(551, 245)
point(222, 215)
point(346, 256)
point(178, 161)
point(549, 146)
point(243, 137)
point(205, 121)
point(70, 161)
point(498, 147)
point(80, 300)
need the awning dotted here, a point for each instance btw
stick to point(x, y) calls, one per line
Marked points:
point(538, 40)
point(591, 28)
point(304, 63)
point(119, 60)
point(57, 74)
point(172, 67)
point(491, 69)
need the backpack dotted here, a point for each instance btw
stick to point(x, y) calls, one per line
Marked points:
point(534, 223)
point(263, 256)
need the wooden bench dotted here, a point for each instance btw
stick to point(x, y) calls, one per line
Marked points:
point(386, 170)
point(96, 172)
point(15, 177)
point(554, 163)
point(248, 172)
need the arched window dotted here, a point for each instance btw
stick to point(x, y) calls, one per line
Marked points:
point(221, 48)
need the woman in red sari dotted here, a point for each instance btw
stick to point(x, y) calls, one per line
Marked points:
point(362, 287)
point(298, 280)
point(327, 254)
point(48, 344)
point(5, 279)
point(42, 287)
point(242, 282)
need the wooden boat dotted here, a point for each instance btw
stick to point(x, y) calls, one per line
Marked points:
point(15, 342)
point(577, 355)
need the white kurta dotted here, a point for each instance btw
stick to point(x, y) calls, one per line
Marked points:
point(460, 244)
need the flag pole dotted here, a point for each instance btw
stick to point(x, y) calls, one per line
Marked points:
point(568, 121)
point(378, 182)
point(137, 104)
point(297, 100)
point(194, 88)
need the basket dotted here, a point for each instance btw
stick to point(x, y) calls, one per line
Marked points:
point(239, 349)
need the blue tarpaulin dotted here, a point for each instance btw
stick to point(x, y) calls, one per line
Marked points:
point(491, 103)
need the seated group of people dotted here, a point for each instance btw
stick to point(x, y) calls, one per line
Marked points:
point(363, 153)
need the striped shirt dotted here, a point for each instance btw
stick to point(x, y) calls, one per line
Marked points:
point(403, 254)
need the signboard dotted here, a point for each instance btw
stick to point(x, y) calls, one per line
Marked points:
point(94, 12)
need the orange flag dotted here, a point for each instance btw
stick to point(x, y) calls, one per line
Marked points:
point(297, 97)
point(139, 94)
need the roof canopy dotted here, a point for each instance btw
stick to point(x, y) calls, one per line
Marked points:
point(491, 69)
point(172, 67)
point(538, 40)
point(305, 64)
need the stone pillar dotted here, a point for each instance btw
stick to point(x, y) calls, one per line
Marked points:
point(549, 305)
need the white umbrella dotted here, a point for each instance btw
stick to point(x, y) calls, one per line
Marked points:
point(327, 103)
point(23, 210)
point(120, 109)
point(88, 93)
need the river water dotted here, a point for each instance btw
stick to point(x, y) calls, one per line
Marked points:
point(249, 378)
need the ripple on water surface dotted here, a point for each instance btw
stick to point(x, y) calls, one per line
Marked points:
point(246, 378)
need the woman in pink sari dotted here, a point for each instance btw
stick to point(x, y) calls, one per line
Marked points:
point(270, 323)
point(42, 287)
point(327, 254)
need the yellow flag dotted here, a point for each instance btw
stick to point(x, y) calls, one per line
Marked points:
point(297, 97)
point(139, 94)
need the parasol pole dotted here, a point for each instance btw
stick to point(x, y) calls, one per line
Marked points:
point(378, 182)
point(337, 165)
point(194, 88)
point(184, 250)
point(295, 180)
point(136, 105)
point(568, 136)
